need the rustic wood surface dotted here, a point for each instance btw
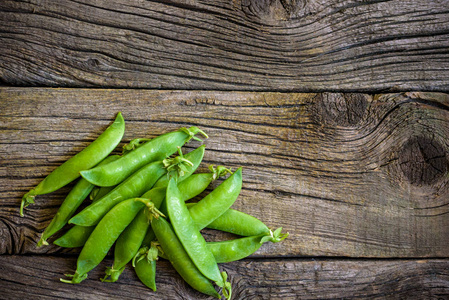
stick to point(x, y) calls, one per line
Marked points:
point(264, 45)
point(346, 174)
point(251, 279)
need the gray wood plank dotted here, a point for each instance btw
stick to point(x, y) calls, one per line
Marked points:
point(269, 45)
point(24, 277)
point(346, 174)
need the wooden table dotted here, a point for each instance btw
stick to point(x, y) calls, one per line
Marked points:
point(337, 111)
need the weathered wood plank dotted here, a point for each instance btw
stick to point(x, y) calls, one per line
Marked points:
point(346, 174)
point(269, 45)
point(251, 279)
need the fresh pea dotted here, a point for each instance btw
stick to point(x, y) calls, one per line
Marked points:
point(145, 265)
point(232, 250)
point(178, 257)
point(127, 245)
point(239, 223)
point(105, 234)
point(192, 240)
point(71, 203)
point(218, 201)
point(75, 237)
point(134, 186)
point(157, 149)
point(87, 158)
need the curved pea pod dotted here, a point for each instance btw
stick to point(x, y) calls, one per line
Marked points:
point(105, 234)
point(75, 237)
point(178, 257)
point(87, 158)
point(70, 204)
point(127, 245)
point(134, 186)
point(154, 150)
point(232, 250)
point(218, 201)
point(192, 240)
point(237, 222)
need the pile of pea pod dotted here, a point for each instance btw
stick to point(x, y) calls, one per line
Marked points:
point(138, 202)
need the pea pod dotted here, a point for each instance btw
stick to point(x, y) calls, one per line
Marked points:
point(192, 240)
point(87, 158)
point(145, 265)
point(75, 237)
point(134, 186)
point(68, 207)
point(127, 245)
point(236, 222)
point(218, 201)
point(105, 234)
point(179, 258)
point(232, 250)
point(154, 150)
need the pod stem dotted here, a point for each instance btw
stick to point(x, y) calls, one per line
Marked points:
point(76, 278)
point(219, 171)
point(177, 164)
point(275, 236)
point(151, 208)
point(151, 254)
point(225, 285)
point(112, 274)
point(192, 131)
point(27, 199)
point(134, 144)
point(42, 241)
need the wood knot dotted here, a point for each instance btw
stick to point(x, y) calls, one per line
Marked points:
point(345, 110)
point(273, 10)
point(423, 160)
point(93, 62)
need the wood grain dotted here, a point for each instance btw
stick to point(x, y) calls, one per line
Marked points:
point(346, 174)
point(251, 279)
point(257, 45)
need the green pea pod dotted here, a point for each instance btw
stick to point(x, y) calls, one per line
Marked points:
point(232, 250)
point(71, 203)
point(146, 268)
point(134, 186)
point(179, 258)
point(236, 222)
point(105, 234)
point(157, 149)
point(75, 237)
point(191, 238)
point(218, 201)
point(127, 245)
point(87, 158)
